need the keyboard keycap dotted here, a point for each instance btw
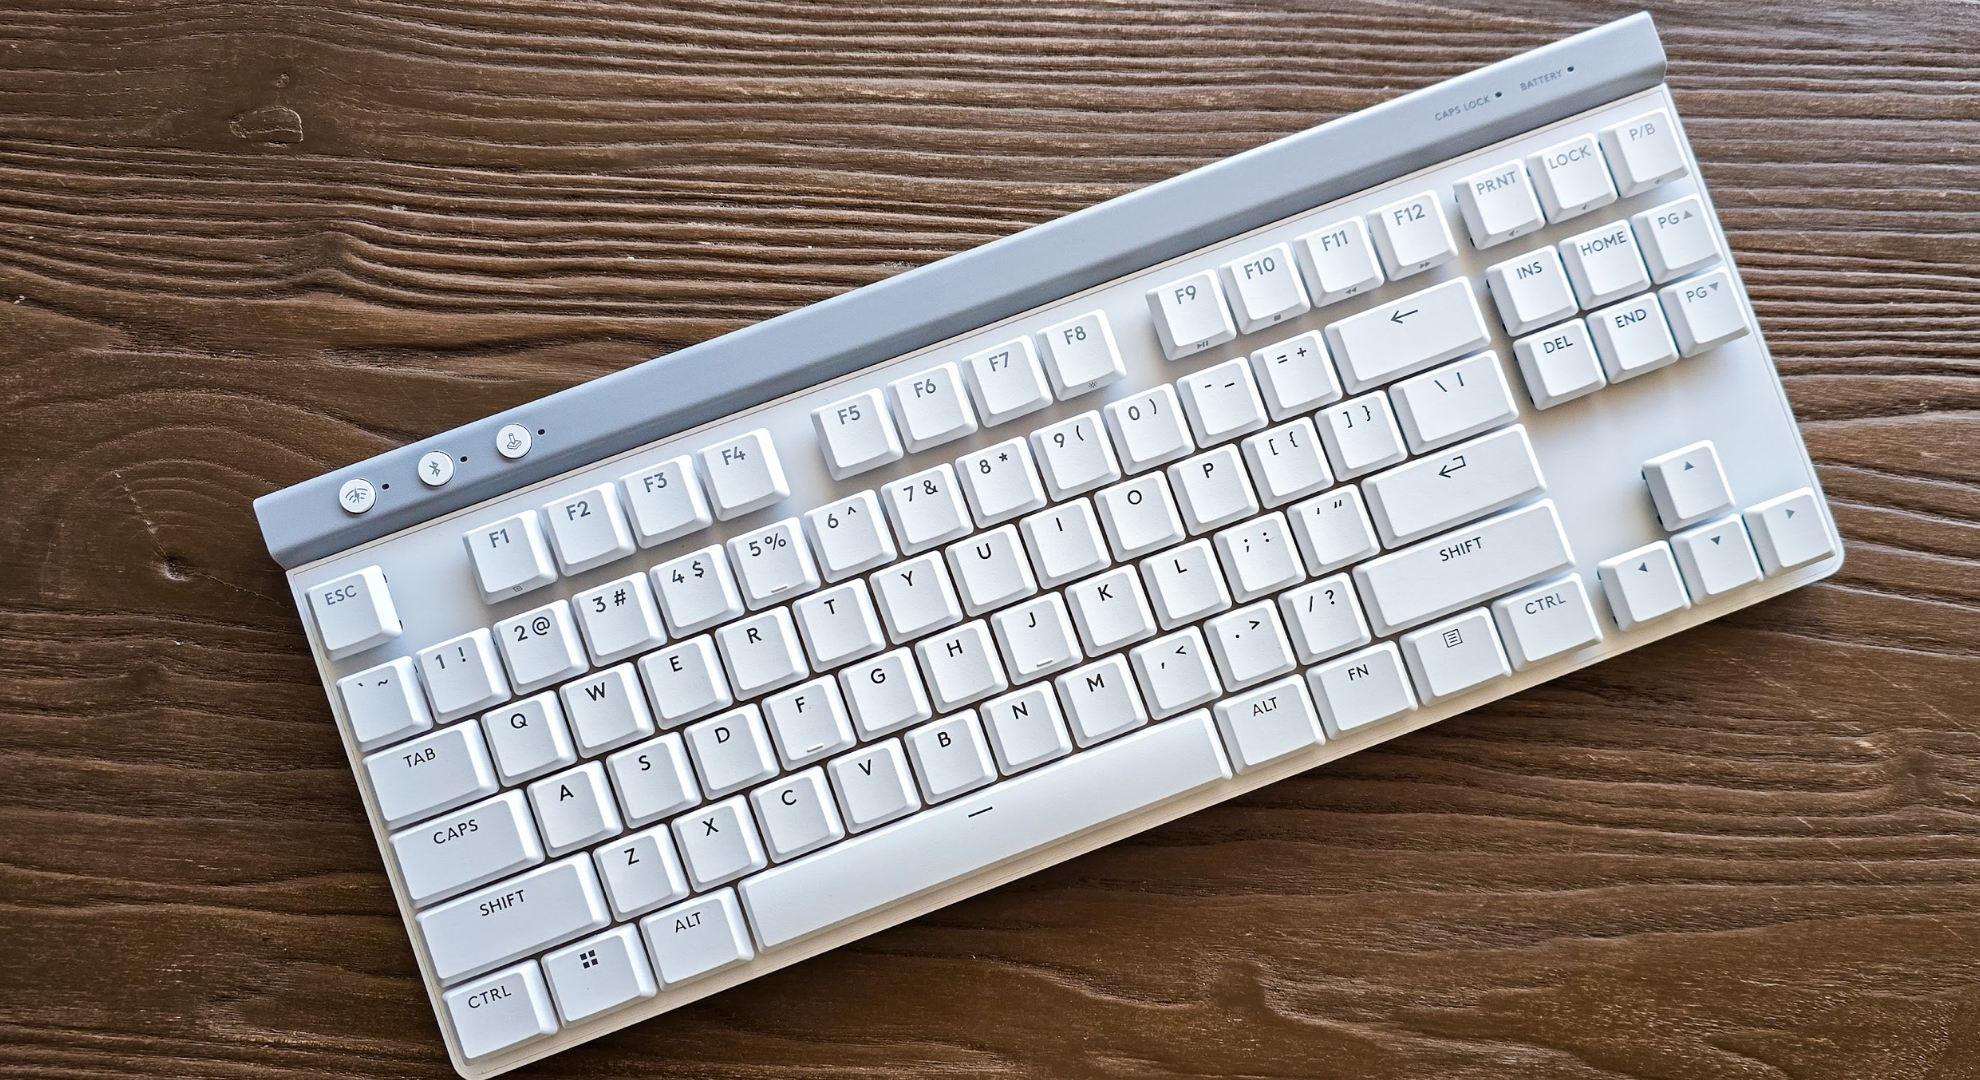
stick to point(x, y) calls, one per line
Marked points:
point(849, 536)
point(1295, 376)
point(1546, 621)
point(384, 703)
point(1074, 456)
point(693, 939)
point(619, 619)
point(1632, 338)
point(961, 666)
point(697, 591)
point(1452, 656)
point(762, 652)
point(1249, 645)
point(1413, 235)
point(719, 843)
point(1715, 558)
point(1264, 288)
point(926, 509)
point(684, 681)
point(744, 474)
point(1149, 429)
point(1458, 569)
point(599, 974)
point(653, 779)
point(1285, 462)
point(1467, 481)
point(588, 529)
point(1604, 265)
point(529, 738)
point(1263, 725)
point(1006, 382)
point(1332, 531)
point(1212, 489)
point(950, 756)
point(797, 815)
point(1110, 611)
point(1338, 261)
point(931, 407)
point(541, 646)
point(462, 675)
point(505, 1009)
point(1026, 729)
point(1175, 672)
point(1100, 701)
point(1704, 312)
point(354, 613)
point(666, 502)
point(1571, 178)
point(1259, 557)
point(469, 847)
point(1643, 152)
point(510, 557)
point(1498, 204)
point(1139, 516)
point(1065, 543)
point(873, 785)
point(773, 564)
point(1190, 315)
point(1643, 585)
point(1080, 355)
point(808, 722)
point(513, 918)
point(1559, 364)
point(640, 872)
point(1035, 638)
point(1361, 688)
point(574, 809)
point(1677, 238)
point(1361, 435)
point(1687, 485)
point(1532, 291)
point(959, 837)
point(990, 570)
point(1453, 402)
point(885, 694)
point(1407, 335)
point(1000, 482)
point(1788, 531)
point(856, 435)
point(838, 625)
point(1221, 402)
point(915, 597)
point(1324, 618)
point(1185, 585)
point(606, 711)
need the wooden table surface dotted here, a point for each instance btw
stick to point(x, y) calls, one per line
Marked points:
point(245, 242)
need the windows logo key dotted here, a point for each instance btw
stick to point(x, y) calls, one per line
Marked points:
point(588, 958)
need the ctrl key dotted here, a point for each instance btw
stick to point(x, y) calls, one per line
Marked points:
point(500, 1011)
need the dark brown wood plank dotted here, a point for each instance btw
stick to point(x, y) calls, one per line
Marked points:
point(245, 242)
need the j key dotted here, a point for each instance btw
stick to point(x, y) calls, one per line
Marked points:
point(1036, 638)
point(744, 474)
point(1467, 481)
point(1407, 335)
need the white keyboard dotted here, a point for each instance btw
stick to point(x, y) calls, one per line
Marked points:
point(670, 680)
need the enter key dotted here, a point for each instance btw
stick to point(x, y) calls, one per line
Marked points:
point(1467, 481)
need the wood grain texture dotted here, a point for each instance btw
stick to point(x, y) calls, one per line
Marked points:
point(244, 242)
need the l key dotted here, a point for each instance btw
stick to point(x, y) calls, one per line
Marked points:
point(1407, 335)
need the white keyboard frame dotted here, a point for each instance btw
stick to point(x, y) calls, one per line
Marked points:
point(1590, 451)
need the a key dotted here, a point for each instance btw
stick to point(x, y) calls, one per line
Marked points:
point(1175, 672)
point(1026, 729)
point(697, 591)
point(719, 843)
point(926, 509)
point(599, 974)
point(1139, 516)
point(961, 666)
point(950, 756)
point(1676, 237)
point(1000, 482)
point(1263, 725)
point(1643, 585)
point(1064, 543)
point(1571, 178)
point(1498, 204)
point(1221, 402)
point(1467, 481)
point(665, 501)
point(1604, 265)
point(619, 619)
point(1454, 655)
point(1546, 621)
point(1715, 558)
point(510, 557)
point(1458, 569)
point(1149, 429)
point(606, 711)
point(797, 815)
point(773, 564)
point(462, 675)
point(1632, 338)
point(873, 785)
point(1074, 456)
point(1110, 611)
point(990, 570)
point(471, 846)
point(1412, 235)
point(574, 809)
point(1361, 688)
point(1249, 645)
point(838, 625)
point(1332, 531)
point(654, 780)
point(1360, 435)
point(685, 681)
point(916, 597)
point(849, 537)
point(1190, 315)
point(1687, 485)
point(1295, 376)
point(856, 435)
point(588, 529)
point(698, 937)
point(1704, 311)
point(1035, 638)
point(513, 918)
point(808, 722)
point(1642, 152)
point(1337, 261)
point(959, 837)
point(354, 613)
point(1324, 619)
point(885, 694)
point(744, 474)
point(1259, 557)
point(1453, 402)
point(640, 872)
point(931, 407)
point(1184, 584)
point(1212, 489)
point(1559, 364)
point(1407, 335)
point(1006, 382)
point(1264, 288)
point(384, 704)
point(1789, 531)
point(540, 646)
point(1080, 355)
point(529, 738)
point(761, 652)
point(730, 751)
point(1285, 462)
point(505, 1009)
point(1531, 291)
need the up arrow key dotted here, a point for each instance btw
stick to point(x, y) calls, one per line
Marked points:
point(1408, 335)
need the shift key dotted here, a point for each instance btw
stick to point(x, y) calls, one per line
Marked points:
point(513, 918)
point(1462, 567)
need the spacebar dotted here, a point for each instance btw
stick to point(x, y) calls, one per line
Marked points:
point(983, 828)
